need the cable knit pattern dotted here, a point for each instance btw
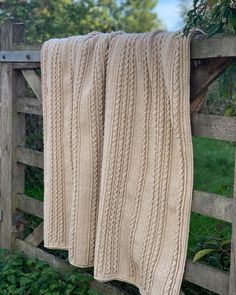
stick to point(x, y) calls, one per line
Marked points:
point(118, 155)
point(97, 119)
point(143, 160)
point(159, 122)
point(76, 146)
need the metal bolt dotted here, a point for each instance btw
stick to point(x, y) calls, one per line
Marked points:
point(3, 56)
point(27, 56)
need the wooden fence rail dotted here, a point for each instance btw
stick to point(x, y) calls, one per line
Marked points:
point(18, 73)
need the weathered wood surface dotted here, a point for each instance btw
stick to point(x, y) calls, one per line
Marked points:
point(202, 77)
point(34, 82)
point(201, 46)
point(26, 65)
point(12, 131)
point(29, 205)
point(207, 277)
point(213, 50)
point(32, 251)
point(26, 47)
point(232, 286)
point(212, 205)
point(30, 157)
point(63, 268)
point(217, 127)
point(204, 203)
point(36, 237)
point(219, 45)
point(29, 105)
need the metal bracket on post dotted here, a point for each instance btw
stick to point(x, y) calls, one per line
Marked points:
point(20, 56)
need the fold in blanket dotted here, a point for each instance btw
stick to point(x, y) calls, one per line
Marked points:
point(118, 155)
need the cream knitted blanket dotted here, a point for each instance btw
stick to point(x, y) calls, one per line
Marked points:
point(118, 194)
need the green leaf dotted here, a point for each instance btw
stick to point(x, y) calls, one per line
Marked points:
point(31, 261)
point(211, 242)
point(53, 286)
point(216, 28)
point(226, 242)
point(69, 291)
point(12, 279)
point(232, 19)
point(202, 253)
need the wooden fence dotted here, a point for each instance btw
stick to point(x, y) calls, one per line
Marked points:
point(18, 65)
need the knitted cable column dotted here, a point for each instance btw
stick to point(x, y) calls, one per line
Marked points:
point(87, 121)
point(73, 84)
point(54, 209)
point(57, 89)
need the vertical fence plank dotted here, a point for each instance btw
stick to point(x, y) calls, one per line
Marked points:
point(232, 284)
point(13, 135)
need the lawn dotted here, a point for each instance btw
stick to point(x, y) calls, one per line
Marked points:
point(213, 173)
point(213, 166)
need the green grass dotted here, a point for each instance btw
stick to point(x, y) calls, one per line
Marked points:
point(213, 173)
point(34, 182)
point(213, 166)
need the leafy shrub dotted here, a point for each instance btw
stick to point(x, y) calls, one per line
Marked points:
point(20, 275)
point(212, 16)
point(215, 250)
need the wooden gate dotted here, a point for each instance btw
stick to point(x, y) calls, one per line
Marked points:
point(18, 72)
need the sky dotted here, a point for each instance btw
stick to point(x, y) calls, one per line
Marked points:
point(168, 12)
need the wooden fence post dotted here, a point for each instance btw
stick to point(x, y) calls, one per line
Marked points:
point(12, 135)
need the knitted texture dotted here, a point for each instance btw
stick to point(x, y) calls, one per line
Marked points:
point(73, 84)
point(118, 155)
